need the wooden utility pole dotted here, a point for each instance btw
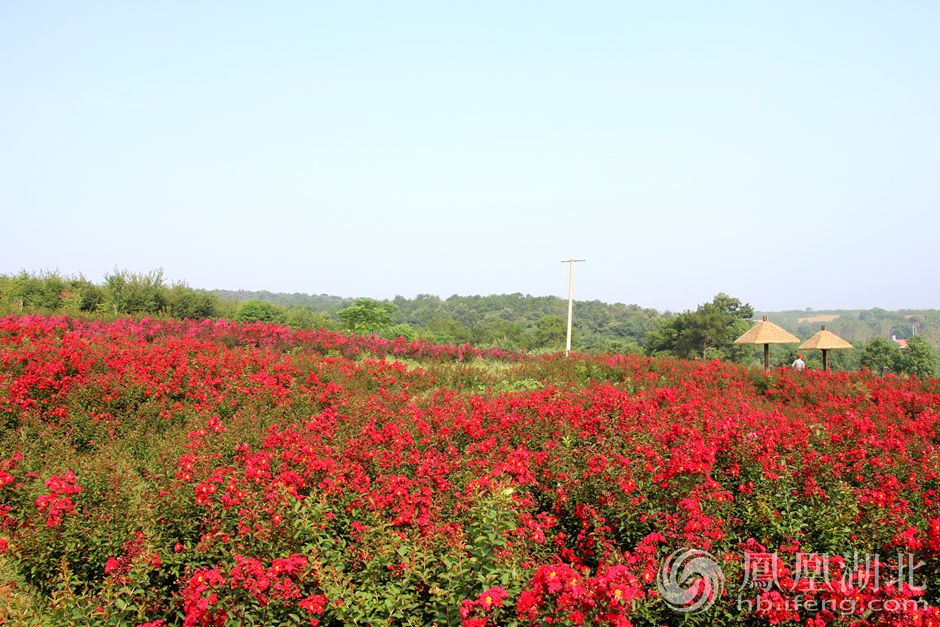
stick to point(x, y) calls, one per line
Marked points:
point(570, 263)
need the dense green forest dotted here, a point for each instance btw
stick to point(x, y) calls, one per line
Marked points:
point(510, 321)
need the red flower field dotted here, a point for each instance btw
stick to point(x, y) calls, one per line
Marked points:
point(208, 473)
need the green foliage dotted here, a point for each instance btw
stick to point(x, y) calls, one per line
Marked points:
point(708, 332)
point(185, 302)
point(516, 321)
point(504, 334)
point(129, 293)
point(919, 359)
point(401, 330)
point(122, 292)
point(306, 318)
point(367, 315)
point(89, 295)
point(439, 328)
point(323, 303)
point(48, 292)
point(259, 311)
point(38, 292)
point(881, 356)
point(550, 333)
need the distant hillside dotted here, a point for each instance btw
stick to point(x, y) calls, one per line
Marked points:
point(860, 326)
point(504, 319)
point(318, 302)
point(517, 321)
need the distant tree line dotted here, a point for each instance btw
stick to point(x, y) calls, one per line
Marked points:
point(883, 356)
point(510, 321)
point(121, 293)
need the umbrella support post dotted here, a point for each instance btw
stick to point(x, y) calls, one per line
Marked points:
point(766, 357)
point(825, 361)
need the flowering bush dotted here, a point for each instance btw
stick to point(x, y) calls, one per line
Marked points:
point(210, 473)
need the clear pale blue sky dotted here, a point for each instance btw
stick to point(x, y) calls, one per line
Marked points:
point(787, 153)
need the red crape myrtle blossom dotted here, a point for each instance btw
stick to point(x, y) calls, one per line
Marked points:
point(559, 593)
point(200, 599)
point(557, 590)
point(212, 596)
point(135, 551)
point(933, 536)
point(7, 481)
point(231, 474)
point(56, 504)
point(480, 611)
point(6, 465)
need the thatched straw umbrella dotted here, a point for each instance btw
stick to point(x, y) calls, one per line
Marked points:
point(766, 333)
point(824, 341)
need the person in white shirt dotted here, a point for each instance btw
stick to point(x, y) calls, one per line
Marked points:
point(799, 364)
